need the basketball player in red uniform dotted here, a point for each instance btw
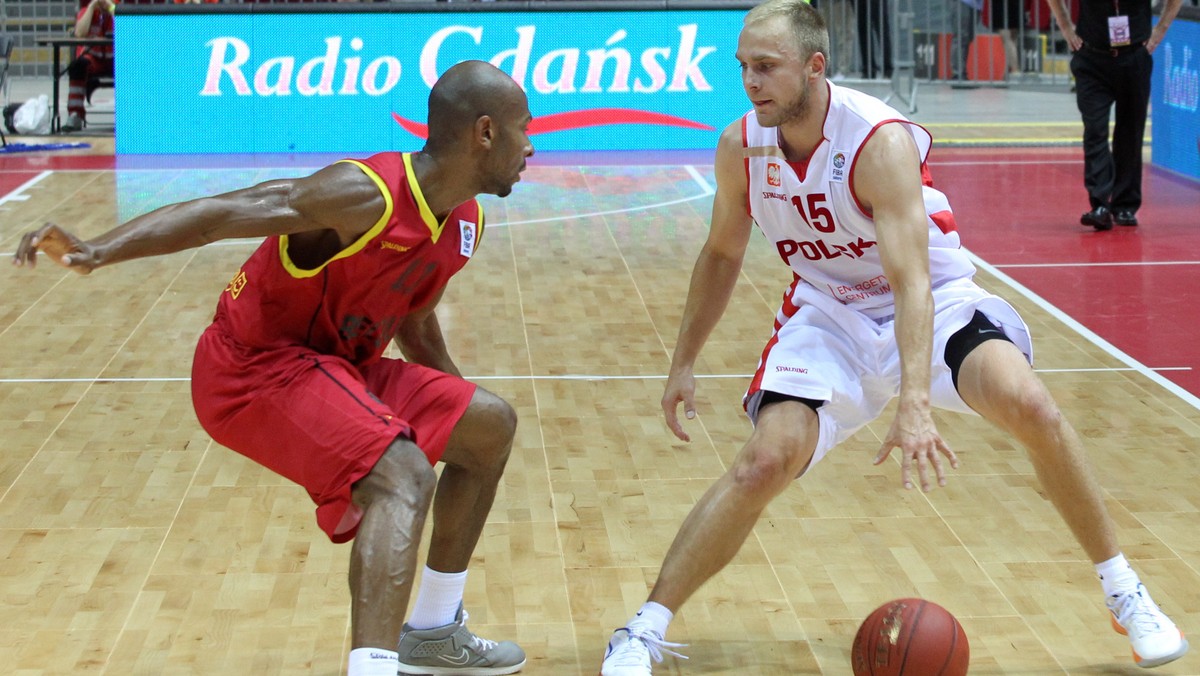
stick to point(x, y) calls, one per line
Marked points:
point(291, 372)
point(882, 306)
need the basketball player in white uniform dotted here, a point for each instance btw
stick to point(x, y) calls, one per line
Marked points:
point(882, 306)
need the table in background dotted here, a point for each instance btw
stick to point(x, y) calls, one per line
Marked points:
point(56, 44)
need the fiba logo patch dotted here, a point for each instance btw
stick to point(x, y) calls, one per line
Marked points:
point(773, 175)
point(467, 240)
point(837, 168)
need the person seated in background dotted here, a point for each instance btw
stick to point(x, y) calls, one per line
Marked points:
point(94, 20)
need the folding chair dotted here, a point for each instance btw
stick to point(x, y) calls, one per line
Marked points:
point(6, 48)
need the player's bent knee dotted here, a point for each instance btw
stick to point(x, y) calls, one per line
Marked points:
point(483, 437)
point(767, 469)
point(504, 416)
point(1027, 410)
point(493, 415)
point(1039, 410)
point(403, 470)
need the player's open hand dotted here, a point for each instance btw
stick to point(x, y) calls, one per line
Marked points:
point(59, 245)
point(681, 388)
point(914, 433)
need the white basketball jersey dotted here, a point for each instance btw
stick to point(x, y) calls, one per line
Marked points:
point(812, 217)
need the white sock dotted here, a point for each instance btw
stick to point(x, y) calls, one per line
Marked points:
point(655, 616)
point(438, 599)
point(1117, 576)
point(373, 662)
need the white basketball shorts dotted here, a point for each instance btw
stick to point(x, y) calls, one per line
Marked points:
point(831, 353)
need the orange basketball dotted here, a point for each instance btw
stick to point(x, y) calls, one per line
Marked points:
point(910, 637)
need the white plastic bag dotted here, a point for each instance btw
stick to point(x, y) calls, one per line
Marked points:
point(33, 117)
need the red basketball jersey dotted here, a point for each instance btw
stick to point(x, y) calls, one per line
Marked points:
point(351, 305)
point(102, 26)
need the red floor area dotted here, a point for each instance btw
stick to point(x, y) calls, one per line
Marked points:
point(1018, 209)
point(38, 162)
point(11, 180)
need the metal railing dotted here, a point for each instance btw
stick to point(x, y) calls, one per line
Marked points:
point(980, 43)
point(27, 20)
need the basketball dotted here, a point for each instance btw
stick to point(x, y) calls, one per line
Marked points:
point(910, 637)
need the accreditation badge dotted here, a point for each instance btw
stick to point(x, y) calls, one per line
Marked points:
point(1118, 31)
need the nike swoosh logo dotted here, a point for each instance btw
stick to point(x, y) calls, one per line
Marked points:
point(459, 660)
point(579, 119)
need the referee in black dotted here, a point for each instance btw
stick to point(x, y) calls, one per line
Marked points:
point(1112, 44)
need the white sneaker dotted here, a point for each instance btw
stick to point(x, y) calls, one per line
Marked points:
point(631, 649)
point(74, 123)
point(1154, 637)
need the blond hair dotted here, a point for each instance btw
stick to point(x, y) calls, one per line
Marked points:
point(807, 24)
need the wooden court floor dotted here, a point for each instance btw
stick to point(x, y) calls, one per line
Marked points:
point(132, 544)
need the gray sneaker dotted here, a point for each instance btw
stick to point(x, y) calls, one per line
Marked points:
point(453, 649)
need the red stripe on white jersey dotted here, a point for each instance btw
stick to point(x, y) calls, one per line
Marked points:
point(944, 220)
point(788, 309)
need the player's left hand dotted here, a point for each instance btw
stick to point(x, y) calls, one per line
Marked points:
point(59, 246)
point(914, 433)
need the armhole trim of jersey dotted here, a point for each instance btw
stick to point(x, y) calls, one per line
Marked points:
point(479, 234)
point(746, 164)
point(923, 146)
point(355, 246)
point(431, 222)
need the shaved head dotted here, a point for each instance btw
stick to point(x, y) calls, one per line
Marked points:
point(468, 91)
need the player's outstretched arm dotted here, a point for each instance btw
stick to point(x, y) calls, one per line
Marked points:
point(339, 198)
point(713, 277)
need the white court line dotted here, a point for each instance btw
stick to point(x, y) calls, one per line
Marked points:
point(700, 180)
point(565, 376)
point(975, 163)
point(704, 186)
point(550, 219)
point(1087, 333)
point(1127, 264)
point(706, 190)
point(1104, 345)
point(19, 195)
point(316, 167)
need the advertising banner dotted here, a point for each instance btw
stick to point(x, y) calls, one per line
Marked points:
point(359, 82)
point(1175, 100)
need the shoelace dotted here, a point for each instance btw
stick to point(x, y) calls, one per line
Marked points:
point(655, 646)
point(479, 643)
point(1139, 610)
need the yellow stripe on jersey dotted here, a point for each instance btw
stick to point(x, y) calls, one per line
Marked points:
point(435, 228)
point(479, 226)
point(355, 246)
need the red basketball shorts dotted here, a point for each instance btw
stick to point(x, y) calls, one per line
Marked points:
point(318, 420)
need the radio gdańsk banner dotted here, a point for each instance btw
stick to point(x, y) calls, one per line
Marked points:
point(359, 82)
point(1175, 100)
